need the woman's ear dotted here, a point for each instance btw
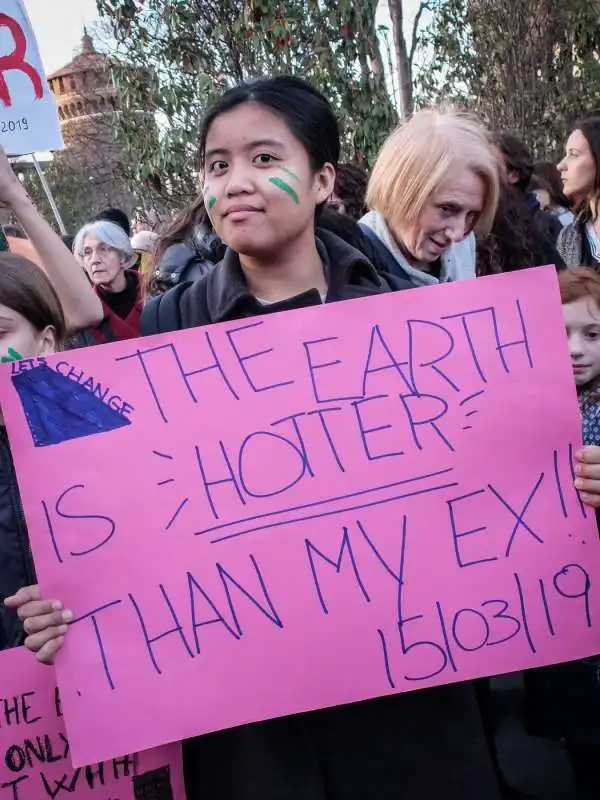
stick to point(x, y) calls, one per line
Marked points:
point(325, 182)
point(47, 341)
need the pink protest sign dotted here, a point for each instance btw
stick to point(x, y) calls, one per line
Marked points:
point(307, 509)
point(36, 757)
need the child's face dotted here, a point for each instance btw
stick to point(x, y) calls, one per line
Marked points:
point(582, 321)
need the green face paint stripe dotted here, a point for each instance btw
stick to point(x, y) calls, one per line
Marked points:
point(13, 356)
point(286, 188)
point(211, 203)
point(290, 173)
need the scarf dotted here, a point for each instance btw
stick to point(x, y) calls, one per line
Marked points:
point(458, 261)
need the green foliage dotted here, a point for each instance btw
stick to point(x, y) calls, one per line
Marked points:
point(187, 52)
point(79, 192)
point(72, 190)
point(528, 66)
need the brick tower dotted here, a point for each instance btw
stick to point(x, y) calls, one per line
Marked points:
point(87, 106)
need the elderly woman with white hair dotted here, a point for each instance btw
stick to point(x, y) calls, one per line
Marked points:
point(105, 252)
point(434, 185)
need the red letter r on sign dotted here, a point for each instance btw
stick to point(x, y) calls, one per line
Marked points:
point(16, 60)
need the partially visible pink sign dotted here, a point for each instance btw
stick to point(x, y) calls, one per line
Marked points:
point(307, 509)
point(35, 761)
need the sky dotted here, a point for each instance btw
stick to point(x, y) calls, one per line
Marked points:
point(58, 25)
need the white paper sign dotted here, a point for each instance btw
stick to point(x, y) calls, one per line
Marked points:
point(28, 115)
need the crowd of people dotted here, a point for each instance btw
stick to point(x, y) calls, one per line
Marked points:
point(279, 224)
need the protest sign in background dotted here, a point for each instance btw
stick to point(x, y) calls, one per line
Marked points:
point(36, 759)
point(307, 509)
point(28, 114)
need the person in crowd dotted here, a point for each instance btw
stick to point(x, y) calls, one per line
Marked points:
point(514, 242)
point(77, 298)
point(32, 325)
point(546, 183)
point(145, 220)
point(518, 162)
point(104, 250)
point(115, 215)
point(143, 243)
point(435, 183)
point(579, 242)
point(580, 294)
point(349, 191)
point(269, 151)
point(564, 699)
point(185, 251)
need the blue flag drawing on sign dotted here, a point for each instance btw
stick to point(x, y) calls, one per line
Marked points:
point(58, 409)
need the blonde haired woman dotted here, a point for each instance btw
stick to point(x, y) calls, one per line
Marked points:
point(434, 185)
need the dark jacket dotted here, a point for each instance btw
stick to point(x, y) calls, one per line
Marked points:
point(426, 744)
point(365, 240)
point(16, 562)
point(113, 327)
point(546, 222)
point(190, 259)
point(222, 294)
point(563, 700)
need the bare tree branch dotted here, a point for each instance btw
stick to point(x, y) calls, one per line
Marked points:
point(423, 6)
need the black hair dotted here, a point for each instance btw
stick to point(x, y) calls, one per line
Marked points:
point(516, 240)
point(115, 215)
point(25, 288)
point(183, 227)
point(517, 158)
point(68, 240)
point(15, 231)
point(351, 188)
point(305, 111)
point(348, 229)
point(590, 128)
point(546, 176)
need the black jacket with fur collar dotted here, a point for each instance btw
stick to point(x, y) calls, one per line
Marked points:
point(423, 745)
point(222, 295)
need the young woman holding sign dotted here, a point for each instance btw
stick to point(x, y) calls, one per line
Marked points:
point(269, 151)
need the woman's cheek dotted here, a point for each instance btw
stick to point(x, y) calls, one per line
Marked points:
point(210, 199)
point(287, 181)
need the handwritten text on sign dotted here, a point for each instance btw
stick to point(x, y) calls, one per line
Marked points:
point(28, 115)
point(307, 509)
point(35, 761)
